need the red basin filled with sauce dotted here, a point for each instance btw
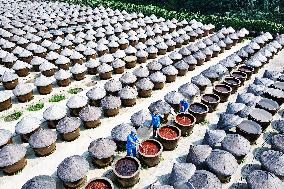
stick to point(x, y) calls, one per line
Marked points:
point(185, 122)
point(169, 136)
point(149, 152)
point(100, 183)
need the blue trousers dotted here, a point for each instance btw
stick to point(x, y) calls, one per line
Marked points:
point(131, 150)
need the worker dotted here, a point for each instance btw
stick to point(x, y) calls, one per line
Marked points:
point(156, 122)
point(183, 106)
point(132, 142)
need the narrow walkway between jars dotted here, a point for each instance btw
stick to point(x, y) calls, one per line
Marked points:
point(48, 165)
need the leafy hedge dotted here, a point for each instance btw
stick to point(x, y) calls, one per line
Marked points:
point(218, 21)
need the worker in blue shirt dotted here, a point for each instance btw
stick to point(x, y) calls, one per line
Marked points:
point(156, 122)
point(183, 106)
point(131, 144)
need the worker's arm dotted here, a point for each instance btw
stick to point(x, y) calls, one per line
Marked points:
point(130, 139)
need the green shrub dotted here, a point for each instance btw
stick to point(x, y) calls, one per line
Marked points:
point(219, 21)
point(14, 116)
point(35, 107)
point(56, 98)
point(74, 90)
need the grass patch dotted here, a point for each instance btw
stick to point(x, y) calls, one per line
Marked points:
point(74, 90)
point(35, 107)
point(205, 122)
point(144, 166)
point(249, 38)
point(14, 116)
point(56, 98)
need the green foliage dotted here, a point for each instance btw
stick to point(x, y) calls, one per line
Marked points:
point(205, 122)
point(35, 107)
point(74, 90)
point(163, 10)
point(14, 116)
point(56, 98)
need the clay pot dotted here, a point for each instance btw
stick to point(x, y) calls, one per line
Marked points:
point(152, 55)
point(178, 45)
point(208, 58)
point(180, 122)
point(45, 151)
point(278, 85)
point(191, 67)
point(44, 90)
point(25, 137)
point(101, 163)
point(145, 93)
point(64, 66)
point(26, 97)
point(228, 46)
point(199, 111)
point(71, 136)
point(192, 38)
point(92, 71)
point(223, 91)
point(10, 141)
point(8, 64)
point(211, 100)
point(250, 130)
point(113, 49)
point(158, 85)
point(182, 72)
point(128, 102)
point(170, 78)
point(101, 53)
point(215, 54)
point(147, 158)
point(206, 33)
point(162, 51)
point(63, 83)
point(269, 105)
point(26, 59)
point(260, 116)
point(247, 69)
point(127, 180)
point(77, 61)
point(11, 169)
point(171, 48)
point(111, 112)
point(89, 57)
point(48, 73)
point(96, 103)
point(79, 76)
point(239, 75)
point(9, 85)
point(167, 139)
point(130, 65)
point(74, 112)
point(141, 60)
point(119, 70)
point(6, 104)
point(92, 124)
point(22, 72)
point(200, 62)
point(105, 76)
point(77, 184)
point(97, 182)
point(279, 98)
point(123, 46)
point(234, 83)
point(52, 123)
